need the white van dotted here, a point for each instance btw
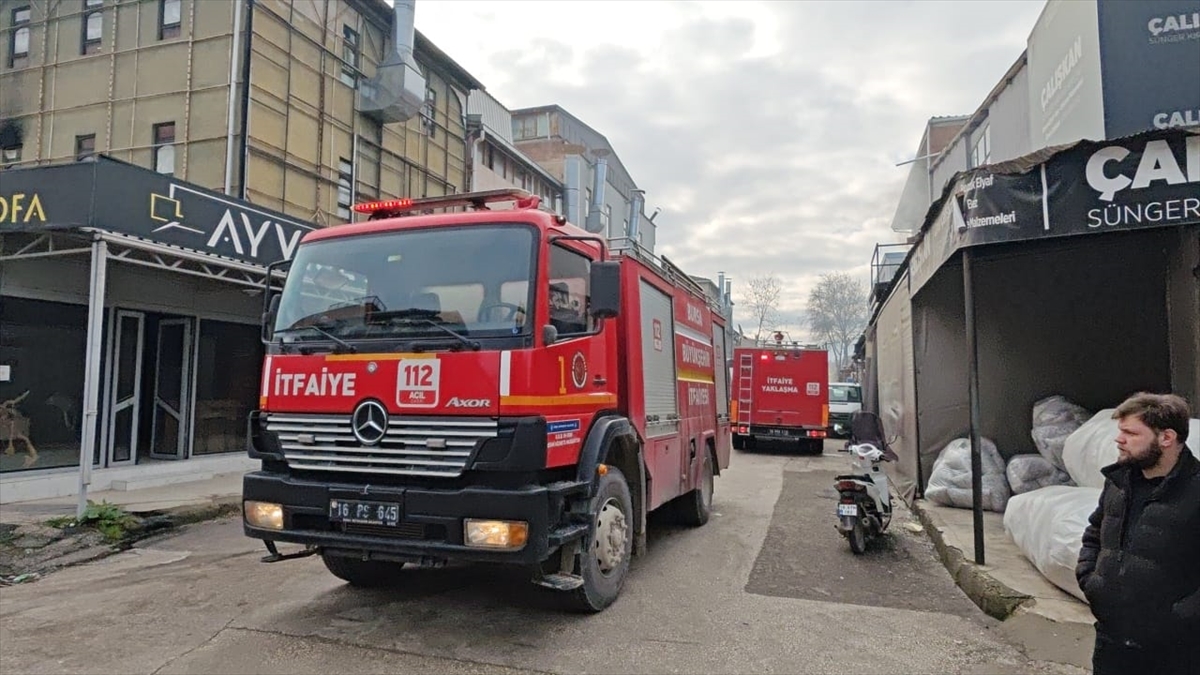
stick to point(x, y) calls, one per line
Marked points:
point(845, 399)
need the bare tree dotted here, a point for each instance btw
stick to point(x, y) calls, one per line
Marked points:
point(761, 299)
point(837, 314)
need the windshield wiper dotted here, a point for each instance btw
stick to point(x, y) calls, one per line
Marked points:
point(415, 315)
point(313, 327)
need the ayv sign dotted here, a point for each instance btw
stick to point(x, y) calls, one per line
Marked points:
point(199, 220)
point(125, 199)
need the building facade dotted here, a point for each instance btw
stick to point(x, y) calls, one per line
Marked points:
point(495, 162)
point(1096, 70)
point(599, 193)
point(144, 189)
point(161, 84)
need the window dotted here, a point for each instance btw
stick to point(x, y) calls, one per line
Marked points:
point(168, 19)
point(85, 146)
point(44, 344)
point(981, 153)
point(489, 156)
point(164, 148)
point(344, 191)
point(93, 27)
point(428, 121)
point(224, 395)
point(570, 275)
point(18, 46)
point(349, 57)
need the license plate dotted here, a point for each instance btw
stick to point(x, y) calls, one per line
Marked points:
point(364, 513)
point(847, 509)
point(779, 432)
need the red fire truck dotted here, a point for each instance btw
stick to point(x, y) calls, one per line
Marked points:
point(494, 385)
point(782, 394)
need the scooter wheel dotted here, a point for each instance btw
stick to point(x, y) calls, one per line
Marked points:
point(858, 537)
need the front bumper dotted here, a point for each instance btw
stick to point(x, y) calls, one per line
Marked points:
point(431, 522)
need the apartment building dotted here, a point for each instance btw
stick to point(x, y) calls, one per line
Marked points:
point(599, 193)
point(495, 162)
point(160, 84)
point(144, 187)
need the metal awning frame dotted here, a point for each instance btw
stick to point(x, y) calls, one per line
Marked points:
point(137, 251)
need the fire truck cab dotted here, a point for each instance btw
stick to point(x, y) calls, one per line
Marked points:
point(493, 385)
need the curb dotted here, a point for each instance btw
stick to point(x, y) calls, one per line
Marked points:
point(997, 600)
point(177, 516)
point(153, 523)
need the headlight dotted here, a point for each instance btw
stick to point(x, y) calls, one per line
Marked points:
point(264, 515)
point(510, 534)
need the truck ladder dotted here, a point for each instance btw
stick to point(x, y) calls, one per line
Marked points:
point(745, 388)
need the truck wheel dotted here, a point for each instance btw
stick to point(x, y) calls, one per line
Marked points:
point(362, 573)
point(607, 547)
point(696, 506)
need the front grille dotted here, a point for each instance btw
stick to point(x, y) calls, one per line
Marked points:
point(331, 446)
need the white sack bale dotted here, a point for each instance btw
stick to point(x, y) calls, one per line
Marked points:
point(1094, 446)
point(1027, 473)
point(1054, 419)
point(950, 481)
point(1047, 524)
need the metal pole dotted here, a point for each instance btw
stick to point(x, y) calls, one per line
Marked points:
point(973, 391)
point(91, 375)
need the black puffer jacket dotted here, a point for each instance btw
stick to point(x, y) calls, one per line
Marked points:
point(1143, 583)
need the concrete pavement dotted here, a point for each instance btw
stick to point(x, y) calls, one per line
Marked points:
point(731, 597)
point(1050, 623)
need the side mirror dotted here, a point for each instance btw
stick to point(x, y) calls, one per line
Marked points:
point(268, 317)
point(549, 335)
point(605, 289)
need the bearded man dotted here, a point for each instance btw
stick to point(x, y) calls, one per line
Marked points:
point(1139, 566)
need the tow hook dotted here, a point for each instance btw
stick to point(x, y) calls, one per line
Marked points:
point(276, 556)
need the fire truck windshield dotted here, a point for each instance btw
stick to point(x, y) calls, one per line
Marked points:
point(444, 283)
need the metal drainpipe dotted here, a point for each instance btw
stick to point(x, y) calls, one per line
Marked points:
point(233, 59)
point(244, 149)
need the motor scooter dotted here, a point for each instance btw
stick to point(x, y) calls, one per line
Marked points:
point(864, 505)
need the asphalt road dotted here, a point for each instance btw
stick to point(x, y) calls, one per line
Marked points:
point(767, 586)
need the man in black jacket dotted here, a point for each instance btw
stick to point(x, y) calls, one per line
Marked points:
point(1139, 566)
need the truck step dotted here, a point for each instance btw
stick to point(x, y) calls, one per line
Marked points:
point(560, 581)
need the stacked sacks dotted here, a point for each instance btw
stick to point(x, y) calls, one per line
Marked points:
point(950, 480)
point(1054, 419)
point(1027, 473)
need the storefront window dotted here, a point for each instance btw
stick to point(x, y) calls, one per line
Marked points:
point(227, 378)
point(42, 350)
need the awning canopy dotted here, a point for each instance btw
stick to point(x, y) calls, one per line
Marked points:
point(1143, 181)
point(153, 218)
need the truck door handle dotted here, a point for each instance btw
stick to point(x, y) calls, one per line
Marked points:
point(599, 381)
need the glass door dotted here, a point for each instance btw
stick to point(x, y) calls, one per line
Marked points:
point(125, 392)
point(172, 389)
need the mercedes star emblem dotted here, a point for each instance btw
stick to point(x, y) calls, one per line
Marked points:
point(369, 422)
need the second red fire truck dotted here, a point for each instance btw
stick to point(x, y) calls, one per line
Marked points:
point(782, 394)
point(494, 386)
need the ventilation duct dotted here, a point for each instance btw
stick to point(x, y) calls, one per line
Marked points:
point(635, 213)
point(600, 178)
point(397, 92)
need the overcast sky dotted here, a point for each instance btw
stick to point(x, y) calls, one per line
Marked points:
point(767, 132)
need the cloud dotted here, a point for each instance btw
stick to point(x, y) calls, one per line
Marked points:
point(766, 132)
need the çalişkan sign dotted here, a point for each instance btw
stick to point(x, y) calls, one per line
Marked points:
point(1143, 181)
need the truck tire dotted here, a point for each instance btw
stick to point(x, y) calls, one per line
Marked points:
point(362, 573)
point(607, 547)
point(696, 506)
